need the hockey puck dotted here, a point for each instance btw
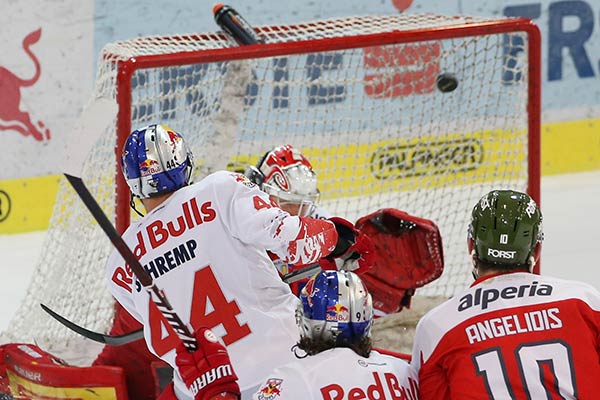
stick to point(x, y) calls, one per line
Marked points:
point(446, 82)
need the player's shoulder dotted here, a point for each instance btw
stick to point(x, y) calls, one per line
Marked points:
point(391, 358)
point(439, 312)
point(567, 283)
point(222, 183)
point(321, 361)
point(227, 177)
point(572, 288)
point(513, 285)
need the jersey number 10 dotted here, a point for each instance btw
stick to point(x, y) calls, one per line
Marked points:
point(533, 359)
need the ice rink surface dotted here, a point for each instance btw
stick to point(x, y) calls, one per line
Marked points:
point(570, 204)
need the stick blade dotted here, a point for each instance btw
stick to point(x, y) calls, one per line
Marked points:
point(95, 336)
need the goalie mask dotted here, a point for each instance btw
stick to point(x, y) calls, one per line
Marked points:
point(506, 229)
point(156, 160)
point(335, 306)
point(288, 178)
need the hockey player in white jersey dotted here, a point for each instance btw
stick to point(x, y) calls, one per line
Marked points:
point(334, 358)
point(204, 246)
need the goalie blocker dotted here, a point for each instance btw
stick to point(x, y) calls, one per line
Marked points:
point(408, 255)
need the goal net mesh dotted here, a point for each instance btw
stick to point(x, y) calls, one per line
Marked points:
point(357, 96)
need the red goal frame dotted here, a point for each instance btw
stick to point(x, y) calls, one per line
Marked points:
point(126, 69)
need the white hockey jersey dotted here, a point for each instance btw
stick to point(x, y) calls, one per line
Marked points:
point(340, 373)
point(205, 248)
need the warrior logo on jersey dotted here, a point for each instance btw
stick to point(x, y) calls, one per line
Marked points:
point(270, 390)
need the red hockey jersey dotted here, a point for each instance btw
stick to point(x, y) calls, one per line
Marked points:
point(512, 336)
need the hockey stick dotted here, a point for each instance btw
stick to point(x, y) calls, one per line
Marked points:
point(238, 75)
point(119, 340)
point(113, 340)
point(234, 25)
point(157, 295)
point(242, 32)
point(302, 273)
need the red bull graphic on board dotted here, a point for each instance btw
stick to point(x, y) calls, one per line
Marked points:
point(12, 115)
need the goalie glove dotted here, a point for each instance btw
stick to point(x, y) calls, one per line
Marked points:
point(354, 250)
point(207, 372)
point(408, 255)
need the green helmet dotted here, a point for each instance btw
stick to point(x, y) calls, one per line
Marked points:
point(506, 228)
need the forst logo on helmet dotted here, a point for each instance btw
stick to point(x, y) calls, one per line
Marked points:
point(10, 102)
point(505, 254)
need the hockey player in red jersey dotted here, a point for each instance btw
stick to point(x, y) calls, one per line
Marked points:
point(334, 358)
point(204, 246)
point(512, 334)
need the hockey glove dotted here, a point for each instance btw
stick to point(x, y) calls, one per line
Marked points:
point(409, 254)
point(207, 372)
point(354, 250)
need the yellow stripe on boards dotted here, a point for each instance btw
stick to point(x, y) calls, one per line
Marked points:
point(567, 147)
point(26, 204)
point(572, 146)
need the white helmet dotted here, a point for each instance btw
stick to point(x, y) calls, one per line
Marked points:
point(287, 176)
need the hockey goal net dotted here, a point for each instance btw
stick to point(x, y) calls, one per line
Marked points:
point(357, 95)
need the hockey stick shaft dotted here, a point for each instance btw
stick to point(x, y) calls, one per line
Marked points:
point(235, 25)
point(113, 340)
point(242, 32)
point(302, 273)
point(140, 273)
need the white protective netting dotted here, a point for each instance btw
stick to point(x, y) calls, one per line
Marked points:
point(369, 117)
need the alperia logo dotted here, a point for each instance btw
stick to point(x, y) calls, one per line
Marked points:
point(426, 158)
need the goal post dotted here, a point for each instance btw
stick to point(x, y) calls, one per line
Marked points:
point(358, 96)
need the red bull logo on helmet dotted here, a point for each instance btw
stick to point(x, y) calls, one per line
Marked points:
point(148, 167)
point(174, 138)
point(338, 313)
point(309, 291)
